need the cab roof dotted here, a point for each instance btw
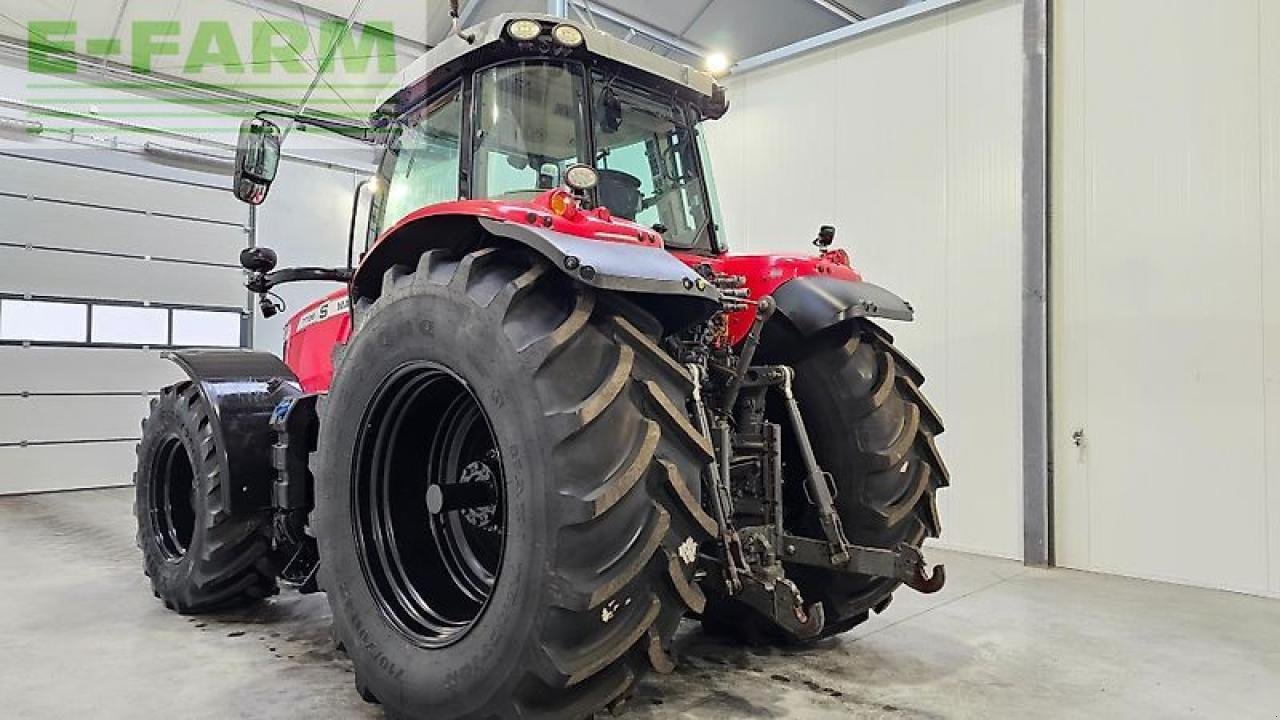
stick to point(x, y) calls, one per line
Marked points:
point(489, 43)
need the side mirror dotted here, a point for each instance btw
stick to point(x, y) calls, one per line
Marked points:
point(826, 236)
point(610, 112)
point(257, 160)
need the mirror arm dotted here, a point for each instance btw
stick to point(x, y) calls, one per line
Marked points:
point(362, 133)
point(264, 282)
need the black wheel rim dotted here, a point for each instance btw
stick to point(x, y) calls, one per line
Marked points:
point(429, 504)
point(172, 498)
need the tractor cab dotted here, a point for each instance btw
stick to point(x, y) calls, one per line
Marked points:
point(524, 105)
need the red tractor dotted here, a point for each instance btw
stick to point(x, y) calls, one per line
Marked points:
point(548, 414)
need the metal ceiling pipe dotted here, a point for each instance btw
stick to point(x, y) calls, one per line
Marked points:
point(559, 8)
point(15, 125)
point(180, 156)
point(841, 34)
point(836, 8)
point(640, 27)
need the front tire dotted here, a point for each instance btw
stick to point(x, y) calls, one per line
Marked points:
point(199, 557)
point(577, 418)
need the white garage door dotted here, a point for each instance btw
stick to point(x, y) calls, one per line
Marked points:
point(1167, 303)
point(106, 261)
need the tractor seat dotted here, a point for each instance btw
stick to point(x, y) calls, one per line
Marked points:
point(620, 193)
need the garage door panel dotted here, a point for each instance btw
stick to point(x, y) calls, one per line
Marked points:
point(1162, 303)
point(24, 176)
point(62, 419)
point(1172, 380)
point(65, 274)
point(73, 227)
point(63, 467)
point(84, 370)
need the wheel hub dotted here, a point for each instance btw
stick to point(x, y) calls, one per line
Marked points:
point(172, 499)
point(429, 504)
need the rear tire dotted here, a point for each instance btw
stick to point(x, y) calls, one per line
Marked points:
point(873, 430)
point(596, 471)
point(199, 557)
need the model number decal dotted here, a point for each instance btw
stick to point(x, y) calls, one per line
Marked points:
point(325, 311)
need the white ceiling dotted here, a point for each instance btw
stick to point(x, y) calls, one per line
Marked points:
point(739, 28)
point(684, 30)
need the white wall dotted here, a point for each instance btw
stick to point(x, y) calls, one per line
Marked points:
point(1167, 309)
point(909, 140)
point(1269, 150)
point(307, 221)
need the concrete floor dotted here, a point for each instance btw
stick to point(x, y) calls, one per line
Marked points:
point(81, 636)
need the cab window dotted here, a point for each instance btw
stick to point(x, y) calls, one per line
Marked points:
point(529, 128)
point(423, 160)
point(647, 158)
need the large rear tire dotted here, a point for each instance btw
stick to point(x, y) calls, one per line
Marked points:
point(199, 557)
point(873, 430)
point(553, 594)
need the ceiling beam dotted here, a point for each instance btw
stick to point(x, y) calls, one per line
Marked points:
point(642, 28)
point(586, 17)
point(698, 16)
point(836, 8)
point(468, 11)
point(841, 34)
point(288, 9)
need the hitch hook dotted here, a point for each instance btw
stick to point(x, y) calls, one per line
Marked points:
point(917, 575)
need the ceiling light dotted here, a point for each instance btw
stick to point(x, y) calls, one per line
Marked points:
point(717, 63)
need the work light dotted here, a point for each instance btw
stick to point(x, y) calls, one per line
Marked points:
point(567, 35)
point(524, 30)
point(581, 177)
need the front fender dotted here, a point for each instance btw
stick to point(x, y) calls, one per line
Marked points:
point(815, 303)
point(241, 390)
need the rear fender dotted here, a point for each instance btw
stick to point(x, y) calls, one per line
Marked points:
point(649, 276)
point(241, 390)
point(815, 303)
